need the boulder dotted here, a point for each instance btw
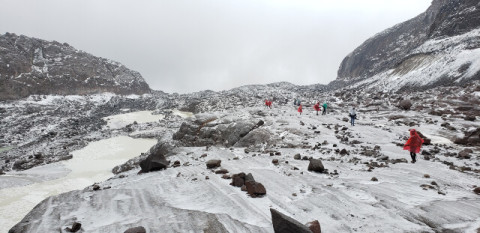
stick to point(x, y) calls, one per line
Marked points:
point(275, 161)
point(284, 224)
point(249, 177)
point(136, 230)
point(255, 189)
point(156, 159)
point(221, 171)
point(238, 180)
point(477, 190)
point(405, 104)
point(213, 163)
point(297, 157)
point(464, 154)
point(75, 227)
point(314, 226)
point(316, 165)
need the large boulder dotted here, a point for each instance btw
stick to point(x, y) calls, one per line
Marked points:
point(471, 138)
point(314, 226)
point(156, 159)
point(284, 224)
point(316, 165)
point(255, 189)
point(255, 137)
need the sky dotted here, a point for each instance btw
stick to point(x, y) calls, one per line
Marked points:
point(192, 45)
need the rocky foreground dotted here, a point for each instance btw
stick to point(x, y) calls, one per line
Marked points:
point(224, 169)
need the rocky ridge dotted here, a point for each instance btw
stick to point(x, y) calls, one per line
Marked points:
point(438, 47)
point(30, 66)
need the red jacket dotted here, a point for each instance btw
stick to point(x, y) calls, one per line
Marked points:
point(300, 109)
point(414, 143)
point(316, 107)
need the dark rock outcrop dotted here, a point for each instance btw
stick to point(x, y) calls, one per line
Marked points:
point(34, 66)
point(284, 224)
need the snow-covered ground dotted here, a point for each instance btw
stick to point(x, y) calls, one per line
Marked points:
point(428, 196)
point(21, 191)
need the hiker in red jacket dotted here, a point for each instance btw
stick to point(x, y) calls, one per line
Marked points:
point(317, 107)
point(413, 144)
point(269, 104)
point(300, 109)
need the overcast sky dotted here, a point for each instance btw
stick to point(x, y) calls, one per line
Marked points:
point(192, 45)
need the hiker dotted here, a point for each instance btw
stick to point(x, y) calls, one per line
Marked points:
point(268, 103)
point(353, 116)
point(300, 109)
point(324, 108)
point(413, 144)
point(295, 102)
point(317, 107)
point(299, 102)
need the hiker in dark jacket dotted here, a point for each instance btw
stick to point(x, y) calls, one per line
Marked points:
point(353, 116)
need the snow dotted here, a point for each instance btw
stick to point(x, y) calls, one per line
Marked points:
point(89, 165)
point(165, 201)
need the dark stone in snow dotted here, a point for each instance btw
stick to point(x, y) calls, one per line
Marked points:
point(255, 189)
point(284, 224)
point(316, 165)
point(214, 163)
point(136, 230)
point(314, 226)
point(221, 171)
point(297, 157)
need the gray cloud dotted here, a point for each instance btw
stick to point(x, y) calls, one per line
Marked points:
point(186, 45)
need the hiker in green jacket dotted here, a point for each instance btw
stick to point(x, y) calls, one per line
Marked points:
point(325, 105)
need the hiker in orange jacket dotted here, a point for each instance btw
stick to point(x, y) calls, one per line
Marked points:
point(300, 109)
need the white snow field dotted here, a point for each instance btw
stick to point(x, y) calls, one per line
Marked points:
point(427, 196)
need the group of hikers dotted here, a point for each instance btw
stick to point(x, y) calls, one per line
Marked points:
point(298, 103)
point(413, 144)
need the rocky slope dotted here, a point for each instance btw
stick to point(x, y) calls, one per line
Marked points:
point(32, 66)
point(438, 47)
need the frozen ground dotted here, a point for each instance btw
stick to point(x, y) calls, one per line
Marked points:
point(21, 191)
point(428, 196)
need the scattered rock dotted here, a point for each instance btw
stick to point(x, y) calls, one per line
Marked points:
point(314, 226)
point(477, 190)
point(238, 180)
point(213, 163)
point(203, 155)
point(255, 189)
point(221, 171)
point(316, 165)
point(374, 179)
point(284, 224)
point(275, 161)
point(344, 152)
point(176, 164)
point(297, 157)
point(225, 176)
point(426, 176)
point(136, 230)
point(95, 187)
point(75, 227)
point(405, 104)
point(464, 154)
